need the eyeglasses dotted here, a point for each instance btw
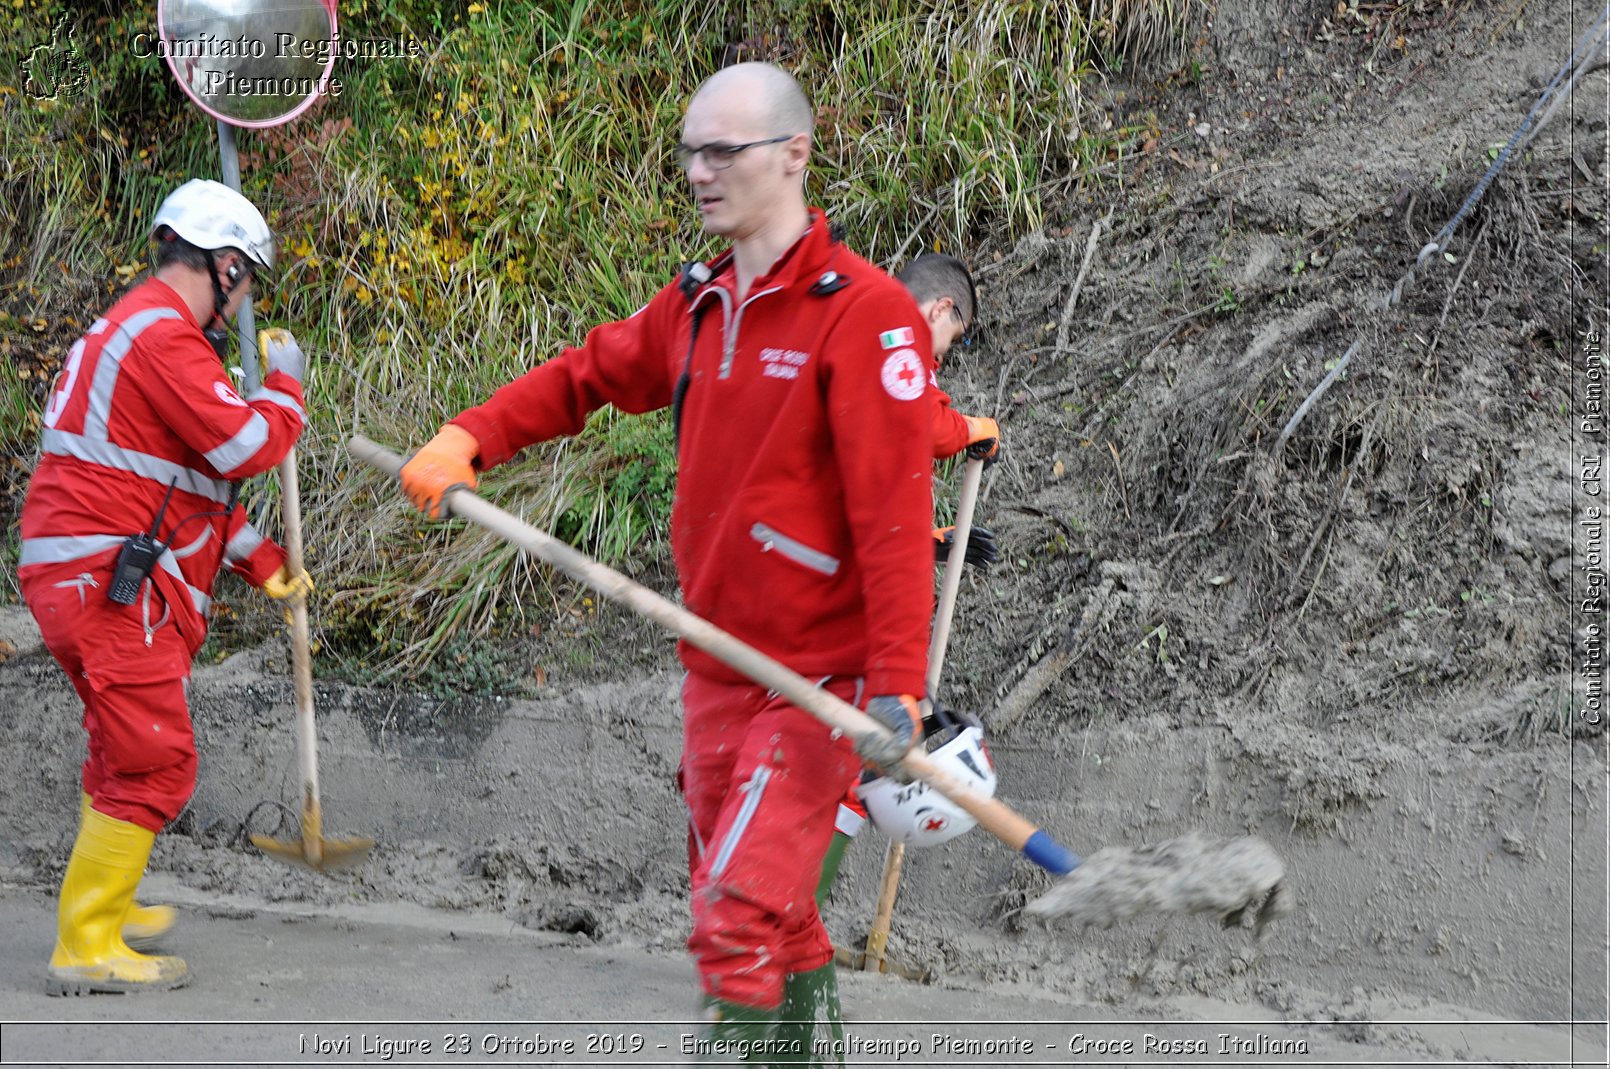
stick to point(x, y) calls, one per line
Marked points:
point(964, 338)
point(718, 155)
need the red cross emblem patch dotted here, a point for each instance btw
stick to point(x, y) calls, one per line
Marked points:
point(904, 376)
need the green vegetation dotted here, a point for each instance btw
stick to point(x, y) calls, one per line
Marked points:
point(449, 221)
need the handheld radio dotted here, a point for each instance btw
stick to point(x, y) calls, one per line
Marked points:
point(138, 557)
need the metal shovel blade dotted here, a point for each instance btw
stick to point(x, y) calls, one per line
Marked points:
point(323, 855)
point(858, 960)
point(313, 850)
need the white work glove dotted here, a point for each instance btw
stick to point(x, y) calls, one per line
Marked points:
point(281, 353)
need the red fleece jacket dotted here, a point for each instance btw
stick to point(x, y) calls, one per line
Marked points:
point(950, 426)
point(803, 506)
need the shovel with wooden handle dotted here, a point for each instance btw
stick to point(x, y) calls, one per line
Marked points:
point(877, 939)
point(1227, 879)
point(313, 850)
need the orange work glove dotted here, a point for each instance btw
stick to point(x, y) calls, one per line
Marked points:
point(983, 438)
point(442, 464)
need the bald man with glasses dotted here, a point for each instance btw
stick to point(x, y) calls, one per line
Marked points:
point(798, 375)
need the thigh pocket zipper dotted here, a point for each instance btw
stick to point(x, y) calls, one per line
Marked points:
point(794, 550)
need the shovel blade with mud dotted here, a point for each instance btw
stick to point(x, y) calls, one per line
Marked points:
point(1238, 881)
point(1231, 880)
point(312, 850)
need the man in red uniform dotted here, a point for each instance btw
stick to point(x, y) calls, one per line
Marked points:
point(947, 301)
point(798, 378)
point(943, 289)
point(145, 434)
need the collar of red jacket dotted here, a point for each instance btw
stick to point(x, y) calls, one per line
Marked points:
point(169, 296)
point(805, 260)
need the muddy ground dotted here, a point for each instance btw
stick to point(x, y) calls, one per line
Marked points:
point(1358, 643)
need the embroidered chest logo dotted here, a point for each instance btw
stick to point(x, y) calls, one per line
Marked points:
point(904, 376)
point(782, 363)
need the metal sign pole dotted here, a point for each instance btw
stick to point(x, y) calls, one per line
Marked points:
point(246, 327)
point(296, 77)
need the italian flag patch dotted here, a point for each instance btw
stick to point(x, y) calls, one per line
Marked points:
point(894, 339)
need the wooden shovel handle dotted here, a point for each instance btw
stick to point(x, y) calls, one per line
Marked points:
point(307, 745)
point(994, 816)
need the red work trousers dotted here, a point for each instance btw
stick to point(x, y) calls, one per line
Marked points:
point(130, 667)
point(762, 780)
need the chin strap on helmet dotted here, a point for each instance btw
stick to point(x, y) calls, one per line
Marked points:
point(220, 296)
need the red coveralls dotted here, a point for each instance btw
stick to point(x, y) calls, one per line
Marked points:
point(802, 526)
point(143, 403)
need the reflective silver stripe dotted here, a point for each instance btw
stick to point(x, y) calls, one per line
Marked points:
point(698, 840)
point(107, 455)
point(195, 546)
point(276, 397)
point(244, 543)
point(169, 564)
point(794, 550)
point(110, 362)
point(63, 548)
point(848, 822)
point(242, 447)
point(746, 812)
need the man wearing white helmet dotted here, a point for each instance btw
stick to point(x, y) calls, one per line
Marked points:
point(128, 517)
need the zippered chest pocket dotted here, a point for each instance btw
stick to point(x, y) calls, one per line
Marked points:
point(773, 541)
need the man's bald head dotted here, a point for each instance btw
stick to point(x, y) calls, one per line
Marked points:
point(776, 97)
point(746, 143)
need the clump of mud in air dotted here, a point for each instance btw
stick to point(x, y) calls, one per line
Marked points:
point(1233, 879)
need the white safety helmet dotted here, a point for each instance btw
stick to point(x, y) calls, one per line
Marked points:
point(210, 215)
point(916, 814)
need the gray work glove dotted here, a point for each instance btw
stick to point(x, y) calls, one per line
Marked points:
point(281, 353)
point(901, 715)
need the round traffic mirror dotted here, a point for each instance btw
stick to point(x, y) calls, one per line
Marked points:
point(249, 63)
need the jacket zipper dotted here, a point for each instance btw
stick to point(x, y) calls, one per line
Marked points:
point(794, 550)
point(730, 337)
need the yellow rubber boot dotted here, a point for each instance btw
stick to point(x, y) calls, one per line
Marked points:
point(143, 926)
point(107, 863)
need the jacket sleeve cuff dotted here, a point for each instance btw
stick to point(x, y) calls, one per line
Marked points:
point(950, 434)
point(488, 434)
point(896, 681)
point(261, 564)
